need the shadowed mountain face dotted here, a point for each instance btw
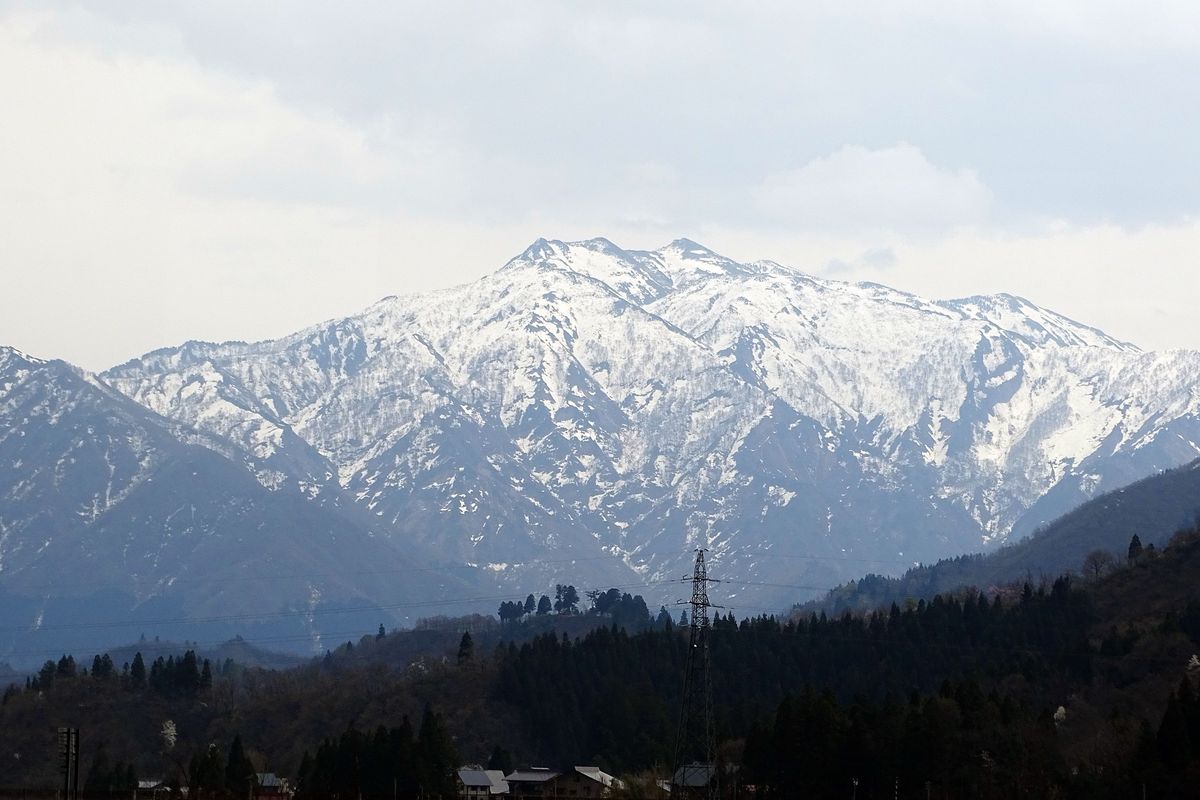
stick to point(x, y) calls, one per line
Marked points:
point(590, 404)
point(1154, 508)
point(114, 520)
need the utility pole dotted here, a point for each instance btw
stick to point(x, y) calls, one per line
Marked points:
point(695, 745)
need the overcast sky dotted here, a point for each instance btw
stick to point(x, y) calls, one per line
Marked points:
point(233, 170)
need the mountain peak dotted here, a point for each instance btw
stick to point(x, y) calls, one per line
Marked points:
point(543, 249)
point(1030, 321)
point(582, 402)
point(11, 355)
point(540, 249)
point(689, 248)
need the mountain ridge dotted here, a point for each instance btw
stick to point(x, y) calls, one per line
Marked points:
point(1155, 508)
point(621, 407)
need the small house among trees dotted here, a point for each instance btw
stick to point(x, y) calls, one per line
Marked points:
point(531, 782)
point(475, 783)
point(578, 781)
point(585, 782)
point(269, 786)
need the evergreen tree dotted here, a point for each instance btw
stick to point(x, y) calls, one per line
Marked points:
point(500, 759)
point(186, 677)
point(1174, 745)
point(663, 620)
point(437, 760)
point(99, 777)
point(1189, 706)
point(206, 773)
point(45, 676)
point(125, 780)
point(403, 749)
point(510, 611)
point(466, 648)
point(1135, 548)
point(239, 772)
point(65, 667)
point(544, 606)
point(569, 600)
point(530, 605)
point(381, 632)
point(137, 671)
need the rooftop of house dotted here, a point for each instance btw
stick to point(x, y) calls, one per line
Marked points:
point(599, 775)
point(533, 775)
point(493, 779)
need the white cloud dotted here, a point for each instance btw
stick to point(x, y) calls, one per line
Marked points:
point(231, 170)
point(891, 189)
point(637, 41)
point(148, 201)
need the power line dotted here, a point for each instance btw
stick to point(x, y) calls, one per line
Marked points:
point(313, 575)
point(771, 554)
point(272, 615)
point(232, 579)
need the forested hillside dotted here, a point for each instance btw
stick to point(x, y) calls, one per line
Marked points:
point(1066, 686)
point(1153, 509)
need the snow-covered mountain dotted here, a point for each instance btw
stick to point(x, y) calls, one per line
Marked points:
point(617, 408)
point(114, 520)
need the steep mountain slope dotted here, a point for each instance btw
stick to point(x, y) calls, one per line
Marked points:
point(110, 514)
point(1154, 508)
point(603, 402)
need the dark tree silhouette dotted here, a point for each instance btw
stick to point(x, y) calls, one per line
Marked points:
point(239, 772)
point(137, 671)
point(1135, 548)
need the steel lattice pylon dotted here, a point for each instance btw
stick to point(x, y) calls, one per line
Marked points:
point(693, 767)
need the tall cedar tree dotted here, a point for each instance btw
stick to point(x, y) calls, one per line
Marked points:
point(1135, 548)
point(437, 759)
point(206, 773)
point(137, 671)
point(239, 772)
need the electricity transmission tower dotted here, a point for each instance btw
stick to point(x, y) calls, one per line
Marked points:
point(693, 772)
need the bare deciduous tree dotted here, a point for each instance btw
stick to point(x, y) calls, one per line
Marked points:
point(1098, 563)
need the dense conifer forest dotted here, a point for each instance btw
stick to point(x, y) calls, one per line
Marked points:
point(1084, 686)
